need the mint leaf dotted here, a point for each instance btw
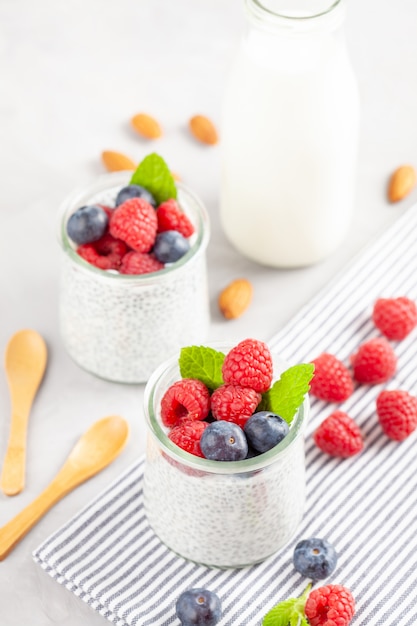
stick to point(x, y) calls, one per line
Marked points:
point(288, 612)
point(154, 174)
point(202, 363)
point(287, 394)
point(281, 614)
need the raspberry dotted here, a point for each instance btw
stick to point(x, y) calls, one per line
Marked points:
point(170, 217)
point(397, 413)
point(332, 380)
point(233, 403)
point(375, 362)
point(106, 253)
point(395, 317)
point(249, 364)
point(187, 435)
point(140, 263)
point(135, 222)
point(332, 605)
point(187, 398)
point(339, 435)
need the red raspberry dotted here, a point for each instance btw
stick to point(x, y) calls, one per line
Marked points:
point(375, 362)
point(135, 222)
point(332, 380)
point(187, 398)
point(249, 364)
point(234, 403)
point(140, 263)
point(395, 317)
point(397, 413)
point(187, 435)
point(332, 605)
point(108, 210)
point(106, 253)
point(339, 435)
point(171, 217)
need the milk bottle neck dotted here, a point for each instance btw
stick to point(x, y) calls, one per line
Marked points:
point(296, 17)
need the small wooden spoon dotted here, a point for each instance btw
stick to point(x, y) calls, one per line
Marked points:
point(98, 447)
point(25, 364)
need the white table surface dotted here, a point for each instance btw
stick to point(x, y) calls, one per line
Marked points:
point(71, 76)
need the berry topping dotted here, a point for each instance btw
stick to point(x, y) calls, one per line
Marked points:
point(187, 398)
point(332, 605)
point(134, 222)
point(187, 435)
point(87, 224)
point(140, 263)
point(224, 441)
point(233, 403)
point(249, 364)
point(171, 217)
point(106, 253)
point(170, 246)
point(395, 317)
point(332, 380)
point(339, 435)
point(134, 191)
point(264, 430)
point(198, 607)
point(314, 558)
point(375, 362)
point(397, 413)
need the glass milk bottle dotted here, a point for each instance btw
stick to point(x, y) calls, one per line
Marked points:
point(289, 134)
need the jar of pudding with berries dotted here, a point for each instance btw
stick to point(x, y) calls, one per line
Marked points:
point(225, 514)
point(120, 326)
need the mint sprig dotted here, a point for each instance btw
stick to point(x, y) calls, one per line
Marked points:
point(154, 174)
point(202, 363)
point(288, 612)
point(287, 393)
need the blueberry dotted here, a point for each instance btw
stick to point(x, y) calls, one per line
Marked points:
point(134, 191)
point(314, 558)
point(87, 224)
point(264, 430)
point(224, 441)
point(170, 246)
point(198, 607)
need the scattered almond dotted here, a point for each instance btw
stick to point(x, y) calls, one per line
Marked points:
point(175, 176)
point(146, 126)
point(235, 298)
point(203, 129)
point(401, 183)
point(116, 161)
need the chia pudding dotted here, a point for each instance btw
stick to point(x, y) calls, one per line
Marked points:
point(121, 327)
point(216, 513)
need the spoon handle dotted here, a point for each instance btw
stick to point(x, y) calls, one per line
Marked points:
point(12, 532)
point(13, 474)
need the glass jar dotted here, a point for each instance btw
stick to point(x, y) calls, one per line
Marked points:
point(218, 513)
point(290, 131)
point(121, 327)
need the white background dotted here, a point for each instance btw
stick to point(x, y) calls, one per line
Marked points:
point(72, 74)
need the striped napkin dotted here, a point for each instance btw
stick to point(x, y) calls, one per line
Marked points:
point(366, 505)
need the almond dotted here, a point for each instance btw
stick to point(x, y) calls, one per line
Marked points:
point(203, 129)
point(146, 126)
point(401, 183)
point(235, 298)
point(116, 161)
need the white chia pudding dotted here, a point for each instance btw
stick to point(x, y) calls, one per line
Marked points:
point(221, 514)
point(121, 327)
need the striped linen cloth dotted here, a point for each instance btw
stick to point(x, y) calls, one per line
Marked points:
point(366, 505)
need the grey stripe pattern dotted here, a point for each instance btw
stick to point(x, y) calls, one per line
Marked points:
point(366, 505)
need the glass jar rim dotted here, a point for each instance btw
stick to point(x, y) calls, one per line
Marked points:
point(260, 5)
point(122, 178)
point(216, 467)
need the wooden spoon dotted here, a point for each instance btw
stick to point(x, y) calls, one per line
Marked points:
point(98, 447)
point(25, 364)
